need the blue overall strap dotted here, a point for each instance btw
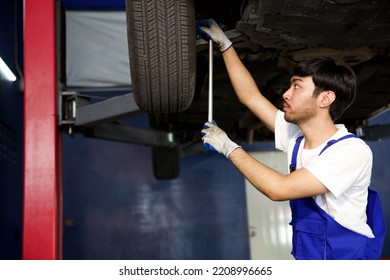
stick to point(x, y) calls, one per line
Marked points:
point(293, 164)
point(331, 142)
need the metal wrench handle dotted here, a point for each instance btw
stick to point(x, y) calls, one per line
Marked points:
point(210, 114)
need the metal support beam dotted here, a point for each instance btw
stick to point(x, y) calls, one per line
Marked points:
point(113, 108)
point(87, 113)
point(374, 132)
point(97, 120)
point(132, 135)
point(41, 237)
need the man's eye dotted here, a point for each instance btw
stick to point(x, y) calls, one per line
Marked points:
point(295, 86)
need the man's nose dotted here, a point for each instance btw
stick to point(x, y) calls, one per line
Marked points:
point(287, 94)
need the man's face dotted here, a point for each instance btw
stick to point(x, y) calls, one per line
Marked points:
point(299, 103)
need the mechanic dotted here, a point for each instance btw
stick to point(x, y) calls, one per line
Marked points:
point(329, 189)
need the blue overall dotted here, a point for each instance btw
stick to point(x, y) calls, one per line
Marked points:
point(317, 236)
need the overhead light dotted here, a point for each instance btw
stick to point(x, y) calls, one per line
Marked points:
point(6, 71)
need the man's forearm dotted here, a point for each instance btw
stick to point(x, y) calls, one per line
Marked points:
point(263, 178)
point(275, 185)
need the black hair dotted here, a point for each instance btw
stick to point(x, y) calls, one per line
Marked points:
point(328, 75)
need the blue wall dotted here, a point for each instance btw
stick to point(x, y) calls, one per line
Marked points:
point(380, 181)
point(115, 209)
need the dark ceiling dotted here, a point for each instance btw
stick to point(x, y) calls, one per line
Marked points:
point(94, 4)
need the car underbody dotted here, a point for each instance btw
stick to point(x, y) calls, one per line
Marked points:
point(272, 36)
point(170, 69)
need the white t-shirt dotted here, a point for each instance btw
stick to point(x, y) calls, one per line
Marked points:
point(343, 168)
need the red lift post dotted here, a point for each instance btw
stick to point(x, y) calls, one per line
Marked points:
point(41, 213)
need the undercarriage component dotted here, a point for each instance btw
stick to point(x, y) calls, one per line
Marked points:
point(100, 119)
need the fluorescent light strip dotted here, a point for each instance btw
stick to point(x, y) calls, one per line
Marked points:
point(6, 71)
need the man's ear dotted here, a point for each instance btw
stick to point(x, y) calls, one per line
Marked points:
point(326, 98)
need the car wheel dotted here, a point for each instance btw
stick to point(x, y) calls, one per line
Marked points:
point(161, 42)
point(166, 162)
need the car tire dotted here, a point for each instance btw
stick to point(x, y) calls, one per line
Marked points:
point(161, 43)
point(166, 162)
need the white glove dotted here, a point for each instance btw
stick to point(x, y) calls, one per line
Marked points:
point(216, 139)
point(210, 30)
